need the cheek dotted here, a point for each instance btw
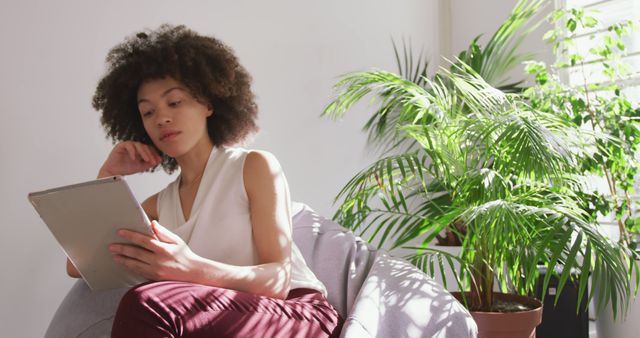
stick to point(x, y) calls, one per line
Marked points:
point(148, 129)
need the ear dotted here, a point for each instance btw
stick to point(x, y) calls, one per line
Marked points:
point(209, 110)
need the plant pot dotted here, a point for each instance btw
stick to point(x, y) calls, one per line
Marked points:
point(508, 324)
point(561, 319)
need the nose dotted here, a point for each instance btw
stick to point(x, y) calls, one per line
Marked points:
point(162, 117)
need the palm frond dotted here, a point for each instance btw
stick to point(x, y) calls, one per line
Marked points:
point(520, 143)
point(428, 257)
point(476, 92)
point(550, 228)
point(395, 200)
point(501, 55)
point(392, 90)
point(406, 68)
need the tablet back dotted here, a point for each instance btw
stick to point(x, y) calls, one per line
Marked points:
point(84, 219)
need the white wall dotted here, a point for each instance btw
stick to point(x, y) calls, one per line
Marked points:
point(53, 55)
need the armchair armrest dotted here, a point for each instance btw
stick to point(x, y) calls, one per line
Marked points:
point(398, 300)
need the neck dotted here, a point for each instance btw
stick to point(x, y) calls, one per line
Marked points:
point(193, 163)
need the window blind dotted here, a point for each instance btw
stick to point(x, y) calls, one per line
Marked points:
point(607, 12)
point(590, 70)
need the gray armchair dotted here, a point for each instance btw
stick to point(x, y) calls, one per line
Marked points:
point(377, 295)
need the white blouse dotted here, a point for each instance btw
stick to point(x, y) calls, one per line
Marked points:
point(219, 227)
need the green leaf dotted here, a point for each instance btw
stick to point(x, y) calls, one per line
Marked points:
point(551, 36)
point(571, 25)
point(621, 46)
point(590, 22)
point(557, 15)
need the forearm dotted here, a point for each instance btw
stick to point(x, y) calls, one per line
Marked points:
point(270, 279)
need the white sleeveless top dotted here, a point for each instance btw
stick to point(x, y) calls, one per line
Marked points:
point(219, 227)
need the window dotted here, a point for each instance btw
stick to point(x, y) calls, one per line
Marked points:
point(607, 12)
point(590, 70)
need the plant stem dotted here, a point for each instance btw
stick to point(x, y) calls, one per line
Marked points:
point(628, 198)
point(482, 291)
point(610, 179)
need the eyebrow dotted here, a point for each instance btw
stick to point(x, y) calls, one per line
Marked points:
point(163, 94)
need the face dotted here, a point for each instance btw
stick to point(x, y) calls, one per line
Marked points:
point(174, 119)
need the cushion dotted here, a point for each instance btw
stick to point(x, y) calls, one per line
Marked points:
point(378, 295)
point(338, 258)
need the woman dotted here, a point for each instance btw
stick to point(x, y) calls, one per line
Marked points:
point(222, 262)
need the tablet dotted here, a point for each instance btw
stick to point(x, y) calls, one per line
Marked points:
point(84, 219)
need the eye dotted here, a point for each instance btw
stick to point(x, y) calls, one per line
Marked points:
point(174, 103)
point(147, 113)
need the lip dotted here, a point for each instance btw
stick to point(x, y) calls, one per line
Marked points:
point(169, 135)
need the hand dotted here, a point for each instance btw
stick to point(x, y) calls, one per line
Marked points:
point(165, 257)
point(129, 157)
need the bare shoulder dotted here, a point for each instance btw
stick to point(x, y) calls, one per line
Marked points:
point(260, 168)
point(150, 206)
point(260, 160)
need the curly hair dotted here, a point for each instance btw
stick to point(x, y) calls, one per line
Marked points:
point(206, 66)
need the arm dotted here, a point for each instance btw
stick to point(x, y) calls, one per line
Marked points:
point(269, 203)
point(169, 258)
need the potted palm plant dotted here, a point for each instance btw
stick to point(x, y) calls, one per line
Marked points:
point(485, 158)
point(493, 62)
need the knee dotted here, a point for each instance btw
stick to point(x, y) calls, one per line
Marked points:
point(137, 302)
point(139, 314)
point(136, 295)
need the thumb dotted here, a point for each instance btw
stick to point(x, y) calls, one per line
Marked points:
point(164, 234)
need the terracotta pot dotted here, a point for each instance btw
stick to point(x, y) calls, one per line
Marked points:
point(508, 325)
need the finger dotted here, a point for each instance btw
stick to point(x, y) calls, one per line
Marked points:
point(147, 153)
point(155, 153)
point(132, 251)
point(163, 248)
point(141, 151)
point(130, 149)
point(153, 156)
point(138, 239)
point(157, 156)
point(134, 265)
point(164, 234)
